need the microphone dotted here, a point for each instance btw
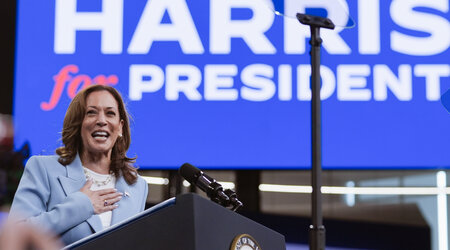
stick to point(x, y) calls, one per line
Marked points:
point(212, 188)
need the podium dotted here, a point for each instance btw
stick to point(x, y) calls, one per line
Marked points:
point(187, 222)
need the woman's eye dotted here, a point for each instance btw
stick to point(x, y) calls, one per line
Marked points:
point(111, 113)
point(90, 112)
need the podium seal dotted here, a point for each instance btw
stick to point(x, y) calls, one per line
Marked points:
point(244, 242)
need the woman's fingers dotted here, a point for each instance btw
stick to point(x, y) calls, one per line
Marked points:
point(107, 208)
point(102, 200)
point(106, 191)
point(106, 200)
point(111, 207)
point(111, 201)
point(101, 206)
point(111, 198)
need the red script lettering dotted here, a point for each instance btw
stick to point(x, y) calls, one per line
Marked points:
point(75, 82)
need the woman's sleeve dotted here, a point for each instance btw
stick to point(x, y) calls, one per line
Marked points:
point(145, 194)
point(31, 200)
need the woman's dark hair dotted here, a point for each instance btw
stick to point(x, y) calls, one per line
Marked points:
point(71, 134)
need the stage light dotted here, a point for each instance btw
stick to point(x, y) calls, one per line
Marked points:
point(156, 180)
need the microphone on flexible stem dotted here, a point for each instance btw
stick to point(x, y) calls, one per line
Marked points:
point(196, 177)
point(233, 200)
point(213, 189)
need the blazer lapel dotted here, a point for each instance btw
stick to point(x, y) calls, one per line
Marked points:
point(120, 213)
point(73, 182)
point(74, 179)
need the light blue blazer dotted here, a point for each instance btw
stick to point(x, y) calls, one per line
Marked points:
point(48, 196)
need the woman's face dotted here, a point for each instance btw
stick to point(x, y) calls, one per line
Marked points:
point(101, 124)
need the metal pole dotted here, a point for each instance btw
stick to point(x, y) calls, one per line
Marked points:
point(317, 229)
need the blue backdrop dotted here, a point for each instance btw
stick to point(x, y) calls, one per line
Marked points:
point(225, 84)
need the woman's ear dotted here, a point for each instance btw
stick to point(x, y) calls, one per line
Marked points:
point(121, 128)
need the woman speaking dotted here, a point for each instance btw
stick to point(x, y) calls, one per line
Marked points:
point(90, 184)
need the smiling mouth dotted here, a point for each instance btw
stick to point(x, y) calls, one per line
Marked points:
point(100, 135)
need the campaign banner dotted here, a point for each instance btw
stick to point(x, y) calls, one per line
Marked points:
point(225, 84)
